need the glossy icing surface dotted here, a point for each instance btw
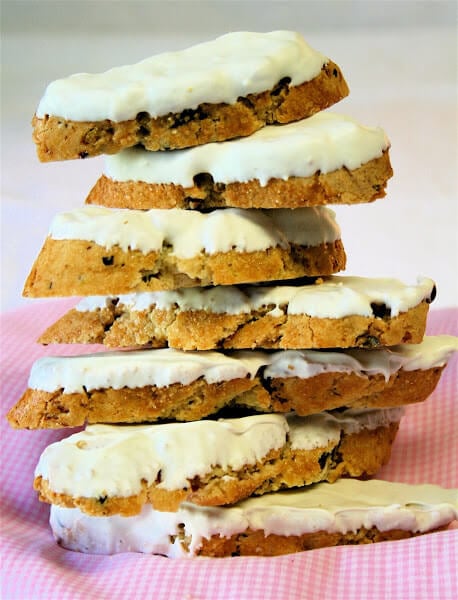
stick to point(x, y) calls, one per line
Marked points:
point(233, 65)
point(190, 232)
point(110, 460)
point(337, 297)
point(324, 142)
point(163, 367)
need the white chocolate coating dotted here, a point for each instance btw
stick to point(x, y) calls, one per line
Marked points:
point(432, 351)
point(163, 367)
point(324, 142)
point(337, 297)
point(110, 460)
point(139, 368)
point(190, 232)
point(222, 70)
point(344, 506)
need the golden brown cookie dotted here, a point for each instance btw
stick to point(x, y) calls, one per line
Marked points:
point(210, 463)
point(364, 184)
point(151, 385)
point(57, 138)
point(313, 316)
point(325, 159)
point(97, 250)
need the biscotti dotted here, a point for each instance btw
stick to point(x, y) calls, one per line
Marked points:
point(97, 250)
point(150, 385)
point(345, 512)
point(207, 251)
point(326, 159)
point(109, 469)
point(206, 93)
point(337, 312)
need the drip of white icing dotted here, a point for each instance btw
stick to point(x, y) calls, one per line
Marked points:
point(109, 460)
point(324, 142)
point(222, 70)
point(191, 232)
point(163, 367)
point(344, 506)
point(336, 297)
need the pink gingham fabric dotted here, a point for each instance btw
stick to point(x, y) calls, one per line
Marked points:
point(34, 567)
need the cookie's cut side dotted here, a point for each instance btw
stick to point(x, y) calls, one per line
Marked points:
point(117, 469)
point(337, 312)
point(151, 385)
point(97, 250)
point(207, 93)
point(325, 159)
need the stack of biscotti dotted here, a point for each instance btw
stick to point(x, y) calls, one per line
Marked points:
point(241, 365)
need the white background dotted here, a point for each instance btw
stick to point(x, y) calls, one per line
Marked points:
point(399, 58)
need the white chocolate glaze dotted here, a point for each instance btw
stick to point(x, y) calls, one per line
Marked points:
point(432, 351)
point(324, 142)
point(112, 460)
point(222, 70)
point(163, 367)
point(341, 507)
point(191, 232)
point(337, 297)
point(139, 368)
point(354, 420)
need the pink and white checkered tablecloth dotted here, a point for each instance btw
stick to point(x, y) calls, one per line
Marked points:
point(33, 566)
